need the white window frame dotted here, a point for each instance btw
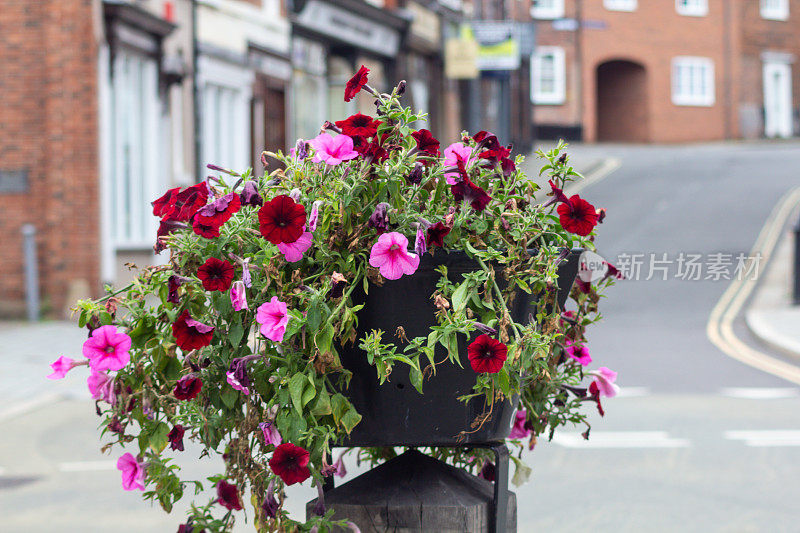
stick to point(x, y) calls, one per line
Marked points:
point(692, 8)
point(621, 5)
point(558, 95)
point(685, 91)
point(232, 86)
point(774, 9)
point(549, 12)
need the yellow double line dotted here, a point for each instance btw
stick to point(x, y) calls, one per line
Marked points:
point(720, 324)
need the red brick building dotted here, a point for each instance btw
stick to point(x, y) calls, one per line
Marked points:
point(666, 71)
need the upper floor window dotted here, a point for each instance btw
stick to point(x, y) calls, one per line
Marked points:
point(693, 81)
point(547, 9)
point(620, 5)
point(692, 8)
point(775, 9)
point(548, 76)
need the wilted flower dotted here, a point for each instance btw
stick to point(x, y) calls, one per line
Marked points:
point(228, 496)
point(101, 387)
point(270, 505)
point(313, 219)
point(519, 430)
point(419, 243)
point(238, 296)
point(188, 387)
point(250, 194)
point(380, 217)
point(271, 433)
point(175, 437)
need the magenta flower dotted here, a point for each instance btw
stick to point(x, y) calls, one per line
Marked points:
point(271, 433)
point(107, 349)
point(390, 254)
point(238, 295)
point(294, 251)
point(132, 472)
point(273, 317)
point(420, 246)
point(101, 387)
point(313, 218)
point(332, 150)
point(453, 154)
point(60, 367)
point(604, 378)
point(341, 470)
point(518, 430)
point(234, 382)
point(578, 353)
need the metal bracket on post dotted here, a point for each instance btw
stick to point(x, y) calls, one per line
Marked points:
point(500, 511)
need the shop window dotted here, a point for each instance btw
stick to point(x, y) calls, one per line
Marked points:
point(692, 8)
point(135, 161)
point(547, 9)
point(775, 9)
point(620, 5)
point(548, 73)
point(693, 81)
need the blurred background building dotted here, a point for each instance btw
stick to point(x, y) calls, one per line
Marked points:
point(107, 103)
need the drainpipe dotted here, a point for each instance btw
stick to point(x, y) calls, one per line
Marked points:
point(726, 52)
point(31, 271)
point(579, 65)
point(198, 162)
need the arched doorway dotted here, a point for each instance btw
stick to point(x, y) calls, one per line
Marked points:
point(622, 113)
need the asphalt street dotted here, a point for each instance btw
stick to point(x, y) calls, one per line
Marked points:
point(696, 442)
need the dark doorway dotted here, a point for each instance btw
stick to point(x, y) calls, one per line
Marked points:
point(622, 113)
point(269, 118)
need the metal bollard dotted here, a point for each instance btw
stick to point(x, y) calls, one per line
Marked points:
point(796, 288)
point(31, 271)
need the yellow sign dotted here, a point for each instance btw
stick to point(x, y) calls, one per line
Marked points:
point(461, 57)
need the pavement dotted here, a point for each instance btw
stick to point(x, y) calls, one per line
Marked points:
point(695, 442)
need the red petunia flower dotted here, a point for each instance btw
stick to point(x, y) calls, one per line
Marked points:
point(359, 125)
point(436, 234)
point(211, 217)
point(290, 462)
point(188, 387)
point(181, 205)
point(190, 334)
point(161, 206)
point(355, 83)
point(228, 496)
point(594, 391)
point(426, 143)
point(176, 437)
point(216, 274)
point(496, 155)
point(465, 190)
point(487, 354)
point(577, 216)
point(281, 220)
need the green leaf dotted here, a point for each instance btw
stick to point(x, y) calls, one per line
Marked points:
point(309, 393)
point(415, 375)
point(340, 406)
point(323, 404)
point(296, 387)
point(460, 297)
point(236, 331)
point(324, 339)
point(228, 397)
point(350, 419)
point(159, 437)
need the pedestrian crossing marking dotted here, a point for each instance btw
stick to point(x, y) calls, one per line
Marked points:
point(758, 393)
point(620, 439)
point(766, 437)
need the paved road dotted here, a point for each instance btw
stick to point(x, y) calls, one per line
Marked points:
point(699, 443)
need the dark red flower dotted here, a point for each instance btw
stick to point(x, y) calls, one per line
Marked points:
point(355, 83)
point(426, 143)
point(496, 155)
point(594, 391)
point(373, 150)
point(211, 217)
point(359, 125)
point(290, 462)
point(176, 436)
point(182, 205)
point(173, 283)
point(216, 274)
point(166, 227)
point(161, 206)
point(508, 166)
point(187, 387)
point(190, 334)
point(486, 140)
point(488, 472)
point(436, 234)
point(557, 194)
point(487, 354)
point(467, 191)
point(281, 220)
point(577, 216)
point(583, 286)
point(228, 496)
point(415, 176)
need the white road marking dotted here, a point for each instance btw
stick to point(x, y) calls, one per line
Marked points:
point(756, 393)
point(620, 439)
point(20, 408)
point(720, 324)
point(767, 437)
point(633, 392)
point(87, 466)
point(609, 165)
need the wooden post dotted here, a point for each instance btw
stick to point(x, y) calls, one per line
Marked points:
point(416, 493)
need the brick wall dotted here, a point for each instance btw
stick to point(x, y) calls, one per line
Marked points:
point(49, 127)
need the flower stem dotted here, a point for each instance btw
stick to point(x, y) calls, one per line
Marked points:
point(502, 300)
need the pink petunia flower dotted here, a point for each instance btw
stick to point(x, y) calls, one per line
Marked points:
point(341, 470)
point(518, 430)
point(107, 349)
point(238, 295)
point(60, 367)
point(390, 254)
point(578, 352)
point(313, 218)
point(273, 317)
point(101, 387)
point(294, 251)
point(332, 150)
point(271, 433)
point(132, 472)
point(452, 155)
point(604, 378)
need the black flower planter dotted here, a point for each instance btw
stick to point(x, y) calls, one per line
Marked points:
point(395, 414)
